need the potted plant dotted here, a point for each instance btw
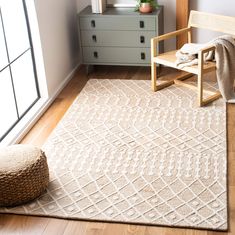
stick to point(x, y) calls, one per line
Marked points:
point(146, 6)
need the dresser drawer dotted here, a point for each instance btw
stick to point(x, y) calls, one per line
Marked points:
point(115, 55)
point(117, 38)
point(118, 23)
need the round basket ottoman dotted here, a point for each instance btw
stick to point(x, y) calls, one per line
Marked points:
point(24, 174)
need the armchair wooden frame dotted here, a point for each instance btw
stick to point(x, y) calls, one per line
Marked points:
point(224, 24)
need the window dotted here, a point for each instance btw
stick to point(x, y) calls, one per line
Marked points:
point(18, 77)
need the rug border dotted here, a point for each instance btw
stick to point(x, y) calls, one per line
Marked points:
point(118, 222)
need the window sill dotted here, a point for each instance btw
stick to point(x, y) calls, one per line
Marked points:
point(27, 122)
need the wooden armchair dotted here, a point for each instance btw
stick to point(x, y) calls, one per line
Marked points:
point(223, 24)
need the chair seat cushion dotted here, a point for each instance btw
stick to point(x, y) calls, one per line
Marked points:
point(24, 174)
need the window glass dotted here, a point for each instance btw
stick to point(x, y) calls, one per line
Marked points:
point(3, 52)
point(7, 102)
point(24, 82)
point(15, 27)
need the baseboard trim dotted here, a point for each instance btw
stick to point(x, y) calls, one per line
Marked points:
point(65, 82)
point(37, 111)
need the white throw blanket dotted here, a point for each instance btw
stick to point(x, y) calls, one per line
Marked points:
point(225, 62)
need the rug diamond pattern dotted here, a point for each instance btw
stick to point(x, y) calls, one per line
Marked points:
point(123, 153)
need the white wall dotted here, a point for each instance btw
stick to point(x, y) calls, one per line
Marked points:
point(59, 39)
point(82, 4)
point(169, 21)
point(225, 7)
point(169, 15)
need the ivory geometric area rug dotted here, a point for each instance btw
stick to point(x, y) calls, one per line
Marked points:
point(123, 153)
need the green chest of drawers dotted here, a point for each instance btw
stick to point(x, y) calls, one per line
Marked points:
point(119, 36)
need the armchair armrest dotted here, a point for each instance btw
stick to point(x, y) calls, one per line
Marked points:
point(155, 40)
point(207, 49)
point(201, 56)
point(170, 35)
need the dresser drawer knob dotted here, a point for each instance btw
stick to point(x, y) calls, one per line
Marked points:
point(142, 39)
point(94, 38)
point(93, 24)
point(141, 24)
point(96, 54)
point(142, 56)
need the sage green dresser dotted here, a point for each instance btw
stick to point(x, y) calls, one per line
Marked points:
point(119, 36)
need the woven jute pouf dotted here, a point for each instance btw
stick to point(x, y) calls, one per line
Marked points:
point(24, 174)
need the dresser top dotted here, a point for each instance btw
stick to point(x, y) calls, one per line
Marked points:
point(117, 11)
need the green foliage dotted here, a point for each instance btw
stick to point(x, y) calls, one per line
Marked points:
point(153, 3)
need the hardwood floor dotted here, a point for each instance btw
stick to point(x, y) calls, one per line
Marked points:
point(16, 224)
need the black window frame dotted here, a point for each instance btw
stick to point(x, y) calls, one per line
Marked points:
point(20, 117)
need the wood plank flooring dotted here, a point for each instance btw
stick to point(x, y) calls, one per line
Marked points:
point(22, 225)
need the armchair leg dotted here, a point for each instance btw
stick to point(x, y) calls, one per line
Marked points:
point(214, 95)
point(154, 76)
point(211, 98)
point(200, 89)
point(199, 79)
